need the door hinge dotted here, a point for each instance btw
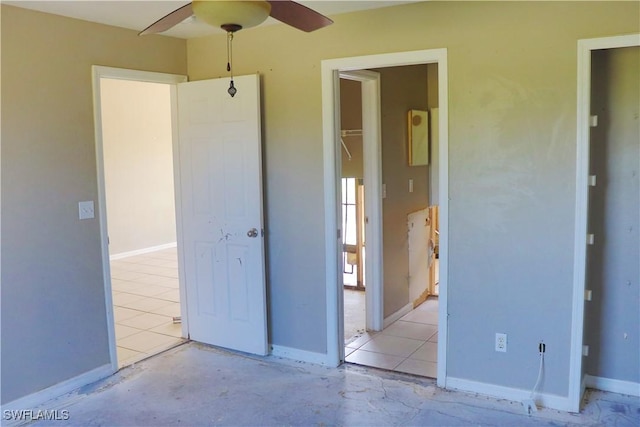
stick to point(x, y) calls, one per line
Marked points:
point(593, 121)
point(339, 234)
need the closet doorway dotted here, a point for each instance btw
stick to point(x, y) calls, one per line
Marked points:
point(606, 244)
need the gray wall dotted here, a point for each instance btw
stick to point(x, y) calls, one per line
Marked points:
point(612, 325)
point(512, 156)
point(512, 97)
point(53, 307)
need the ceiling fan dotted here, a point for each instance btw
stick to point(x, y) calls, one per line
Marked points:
point(232, 15)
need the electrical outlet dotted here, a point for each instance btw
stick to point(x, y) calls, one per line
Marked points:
point(501, 342)
point(542, 347)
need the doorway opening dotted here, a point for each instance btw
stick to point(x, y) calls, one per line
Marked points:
point(134, 145)
point(353, 222)
point(353, 259)
point(407, 342)
point(352, 208)
point(140, 204)
point(606, 278)
point(613, 272)
point(391, 306)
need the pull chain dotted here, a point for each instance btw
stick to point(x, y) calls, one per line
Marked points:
point(232, 89)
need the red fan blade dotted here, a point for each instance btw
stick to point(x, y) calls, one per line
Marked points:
point(298, 16)
point(168, 21)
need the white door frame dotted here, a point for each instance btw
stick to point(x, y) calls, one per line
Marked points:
point(585, 47)
point(98, 73)
point(330, 70)
point(372, 166)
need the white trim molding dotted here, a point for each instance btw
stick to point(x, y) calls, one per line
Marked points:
point(561, 403)
point(397, 315)
point(372, 156)
point(585, 47)
point(613, 386)
point(142, 251)
point(300, 355)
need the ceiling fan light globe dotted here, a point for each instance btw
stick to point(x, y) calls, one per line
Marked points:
point(244, 13)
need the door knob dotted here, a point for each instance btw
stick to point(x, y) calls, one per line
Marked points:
point(252, 233)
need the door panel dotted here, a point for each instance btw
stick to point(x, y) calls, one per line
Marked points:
point(221, 193)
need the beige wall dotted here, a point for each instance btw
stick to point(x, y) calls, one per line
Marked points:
point(53, 301)
point(138, 162)
point(434, 152)
point(432, 86)
point(512, 102)
point(401, 89)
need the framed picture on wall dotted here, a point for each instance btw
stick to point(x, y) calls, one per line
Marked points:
point(418, 131)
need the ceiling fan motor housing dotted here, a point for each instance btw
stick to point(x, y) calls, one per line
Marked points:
point(245, 14)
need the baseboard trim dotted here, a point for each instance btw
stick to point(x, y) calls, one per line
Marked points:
point(421, 298)
point(142, 251)
point(614, 386)
point(397, 315)
point(300, 355)
point(36, 399)
point(552, 401)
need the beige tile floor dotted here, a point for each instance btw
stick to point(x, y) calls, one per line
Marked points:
point(408, 345)
point(146, 297)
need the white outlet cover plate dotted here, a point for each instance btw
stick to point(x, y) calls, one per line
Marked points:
point(501, 342)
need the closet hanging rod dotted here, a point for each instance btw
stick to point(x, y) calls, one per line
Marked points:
point(350, 132)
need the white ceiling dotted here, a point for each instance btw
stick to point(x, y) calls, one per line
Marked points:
point(137, 15)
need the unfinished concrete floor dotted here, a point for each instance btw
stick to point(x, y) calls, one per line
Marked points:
point(194, 385)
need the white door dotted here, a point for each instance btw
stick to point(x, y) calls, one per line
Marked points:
point(221, 213)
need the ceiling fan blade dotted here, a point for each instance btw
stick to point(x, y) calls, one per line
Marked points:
point(298, 16)
point(168, 21)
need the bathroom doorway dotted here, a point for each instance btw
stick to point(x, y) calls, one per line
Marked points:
point(395, 319)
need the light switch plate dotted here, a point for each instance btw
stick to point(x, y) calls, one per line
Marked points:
point(86, 210)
